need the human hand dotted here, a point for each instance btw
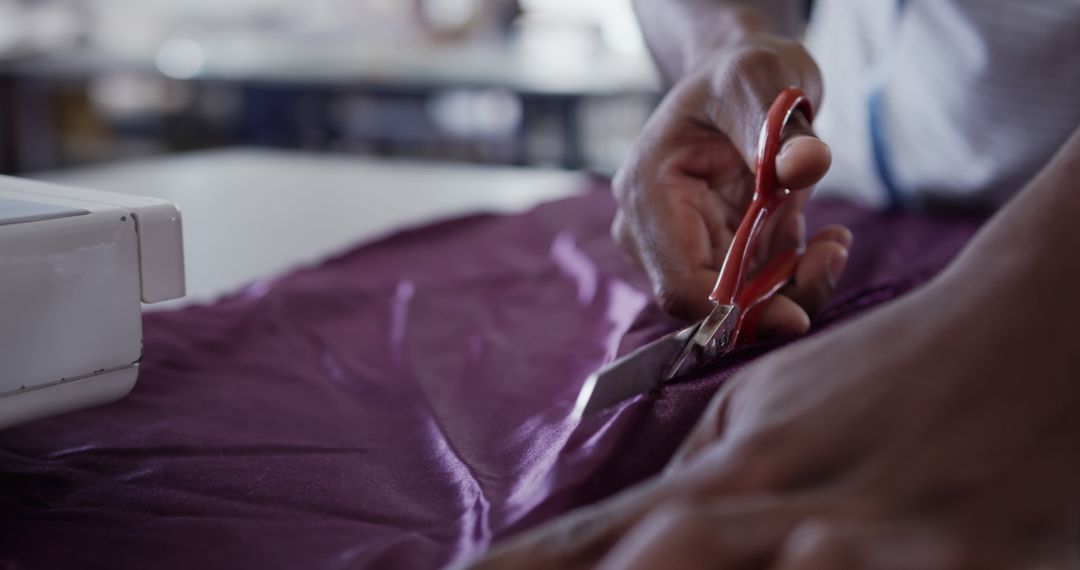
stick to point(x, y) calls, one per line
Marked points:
point(690, 178)
point(954, 448)
point(939, 431)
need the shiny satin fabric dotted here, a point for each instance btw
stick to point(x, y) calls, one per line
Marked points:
point(403, 405)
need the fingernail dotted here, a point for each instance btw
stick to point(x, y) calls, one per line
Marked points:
point(788, 145)
point(837, 265)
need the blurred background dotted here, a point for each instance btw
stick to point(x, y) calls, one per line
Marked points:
point(528, 82)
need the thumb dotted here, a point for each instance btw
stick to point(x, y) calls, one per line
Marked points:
point(803, 159)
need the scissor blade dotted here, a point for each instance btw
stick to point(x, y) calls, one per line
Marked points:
point(710, 338)
point(633, 374)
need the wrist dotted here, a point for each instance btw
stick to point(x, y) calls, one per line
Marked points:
point(730, 28)
point(744, 48)
point(681, 34)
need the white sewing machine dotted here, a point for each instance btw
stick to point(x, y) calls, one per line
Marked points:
point(75, 266)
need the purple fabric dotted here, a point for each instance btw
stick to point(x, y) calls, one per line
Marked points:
point(403, 405)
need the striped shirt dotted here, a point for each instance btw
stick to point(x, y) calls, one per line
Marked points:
point(955, 100)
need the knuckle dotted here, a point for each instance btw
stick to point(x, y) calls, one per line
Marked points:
point(629, 186)
point(760, 460)
point(619, 230)
point(581, 536)
point(633, 194)
point(623, 236)
point(819, 542)
point(820, 530)
point(757, 61)
point(819, 533)
point(764, 442)
point(620, 184)
point(676, 518)
point(672, 513)
point(671, 298)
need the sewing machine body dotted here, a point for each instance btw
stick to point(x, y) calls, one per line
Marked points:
point(75, 267)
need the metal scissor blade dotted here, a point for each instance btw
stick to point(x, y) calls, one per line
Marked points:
point(633, 374)
point(711, 337)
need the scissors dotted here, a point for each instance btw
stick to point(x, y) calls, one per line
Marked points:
point(737, 302)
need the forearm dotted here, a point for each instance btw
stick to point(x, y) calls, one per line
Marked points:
point(1019, 275)
point(682, 32)
point(1035, 239)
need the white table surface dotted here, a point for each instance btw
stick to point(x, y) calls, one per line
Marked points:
point(552, 70)
point(252, 214)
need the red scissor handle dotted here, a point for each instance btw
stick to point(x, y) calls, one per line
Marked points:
point(767, 197)
point(731, 288)
point(761, 287)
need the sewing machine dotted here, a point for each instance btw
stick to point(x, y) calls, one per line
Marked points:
point(75, 266)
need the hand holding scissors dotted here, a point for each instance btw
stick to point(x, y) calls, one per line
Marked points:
point(737, 302)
